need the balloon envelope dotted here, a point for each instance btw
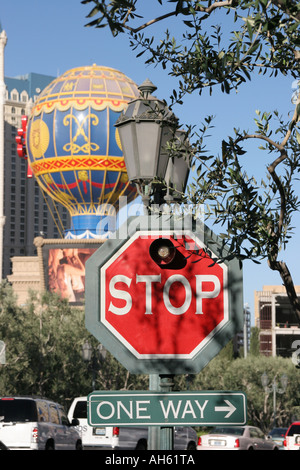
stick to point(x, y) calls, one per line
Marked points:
point(74, 149)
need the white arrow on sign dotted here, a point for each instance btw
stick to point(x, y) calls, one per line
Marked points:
point(230, 408)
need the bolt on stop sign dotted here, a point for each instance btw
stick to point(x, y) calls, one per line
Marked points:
point(161, 301)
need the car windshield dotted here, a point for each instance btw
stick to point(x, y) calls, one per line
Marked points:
point(278, 432)
point(17, 410)
point(294, 429)
point(80, 410)
point(236, 431)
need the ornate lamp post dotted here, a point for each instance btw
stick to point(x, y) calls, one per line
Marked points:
point(144, 129)
point(275, 389)
point(93, 357)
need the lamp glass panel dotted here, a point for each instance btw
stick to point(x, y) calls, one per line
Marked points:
point(129, 147)
point(148, 136)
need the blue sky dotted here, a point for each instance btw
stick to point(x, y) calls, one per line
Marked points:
point(49, 37)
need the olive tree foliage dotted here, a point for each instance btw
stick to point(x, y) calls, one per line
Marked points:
point(256, 217)
point(44, 340)
point(265, 37)
point(245, 375)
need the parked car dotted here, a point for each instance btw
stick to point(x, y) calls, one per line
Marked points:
point(235, 438)
point(28, 423)
point(292, 437)
point(277, 435)
point(125, 437)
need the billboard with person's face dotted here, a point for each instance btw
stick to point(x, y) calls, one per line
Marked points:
point(64, 267)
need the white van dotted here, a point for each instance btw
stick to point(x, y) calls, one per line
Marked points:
point(122, 438)
point(28, 423)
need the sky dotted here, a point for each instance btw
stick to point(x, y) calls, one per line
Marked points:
point(50, 37)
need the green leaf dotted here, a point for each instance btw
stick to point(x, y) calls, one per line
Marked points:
point(92, 13)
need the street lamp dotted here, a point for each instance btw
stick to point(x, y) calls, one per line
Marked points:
point(274, 388)
point(144, 130)
point(151, 143)
point(2, 352)
point(178, 167)
point(87, 351)
point(94, 357)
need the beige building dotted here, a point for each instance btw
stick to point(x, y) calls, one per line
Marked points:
point(26, 276)
point(277, 322)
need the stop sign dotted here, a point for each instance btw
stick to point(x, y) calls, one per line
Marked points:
point(159, 302)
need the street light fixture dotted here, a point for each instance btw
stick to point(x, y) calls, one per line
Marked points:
point(274, 388)
point(178, 167)
point(2, 352)
point(144, 130)
point(94, 357)
point(87, 352)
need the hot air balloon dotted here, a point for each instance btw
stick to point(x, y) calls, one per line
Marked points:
point(74, 150)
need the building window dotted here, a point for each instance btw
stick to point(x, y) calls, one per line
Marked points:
point(24, 96)
point(14, 95)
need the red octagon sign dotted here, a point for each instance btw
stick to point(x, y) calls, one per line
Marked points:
point(167, 314)
point(163, 310)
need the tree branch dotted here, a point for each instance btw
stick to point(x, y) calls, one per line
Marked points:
point(281, 4)
point(199, 8)
point(208, 10)
point(213, 6)
point(273, 262)
point(149, 23)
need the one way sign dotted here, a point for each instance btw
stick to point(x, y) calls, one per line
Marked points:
point(146, 408)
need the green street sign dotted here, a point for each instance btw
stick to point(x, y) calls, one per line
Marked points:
point(147, 408)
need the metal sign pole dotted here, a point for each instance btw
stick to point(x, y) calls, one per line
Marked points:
point(161, 438)
point(166, 432)
point(154, 431)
